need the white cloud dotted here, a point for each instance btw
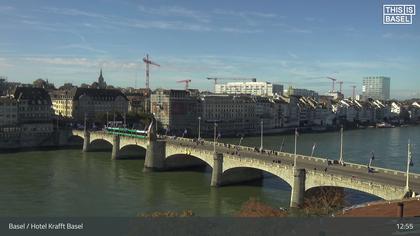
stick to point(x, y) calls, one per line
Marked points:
point(4, 63)
point(5, 9)
point(176, 11)
point(84, 47)
point(244, 14)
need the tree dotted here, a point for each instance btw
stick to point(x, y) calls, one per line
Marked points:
point(323, 200)
point(67, 86)
point(41, 83)
point(255, 208)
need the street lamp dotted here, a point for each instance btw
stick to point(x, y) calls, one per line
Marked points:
point(408, 165)
point(214, 141)
point(262, 135)
point(294, 161)
point(341, 146)
point(199, 128)
point(114, 121)
point(125, 124)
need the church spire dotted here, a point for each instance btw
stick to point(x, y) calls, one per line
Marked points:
point(101, 80)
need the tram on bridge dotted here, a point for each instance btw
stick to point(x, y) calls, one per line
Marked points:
point(127, 132)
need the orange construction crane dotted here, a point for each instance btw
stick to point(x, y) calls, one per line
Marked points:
point(186, 81)
point(229, 78)
point(148, 62)
point(333, 83)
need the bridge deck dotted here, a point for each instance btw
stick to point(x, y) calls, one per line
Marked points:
point(350, 170)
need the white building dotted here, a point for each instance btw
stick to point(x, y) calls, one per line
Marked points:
point(252, 88)
point(302, 92)
point(376, 87)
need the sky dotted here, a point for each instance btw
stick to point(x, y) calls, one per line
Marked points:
point(296, 43)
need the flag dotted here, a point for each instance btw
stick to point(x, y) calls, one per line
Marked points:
point(296, 132)
point(219, 135)
point(373, 156)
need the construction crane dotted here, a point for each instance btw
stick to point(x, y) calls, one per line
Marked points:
point(186, 81)
point(333, 83)
point(148, 62)
point(230, 78)
point(341, 85)
point(354, 92)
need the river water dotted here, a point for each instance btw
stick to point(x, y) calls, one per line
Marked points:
point(72, 183)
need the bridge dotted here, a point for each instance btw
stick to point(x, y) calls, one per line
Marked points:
point(233, 164)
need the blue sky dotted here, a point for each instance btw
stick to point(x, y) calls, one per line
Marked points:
point(288, 42)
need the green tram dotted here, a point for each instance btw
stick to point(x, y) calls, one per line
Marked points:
point(127, 132)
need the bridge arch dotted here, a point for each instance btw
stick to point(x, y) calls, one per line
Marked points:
point(75, 139)
point(245, 173)
point(100, 144)
point(184, 160)
point(132, 150)
point(351, 193)
point(180, 151)
point(383, 191)
point(283, 172)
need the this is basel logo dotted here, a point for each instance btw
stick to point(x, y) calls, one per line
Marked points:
point(398, 14)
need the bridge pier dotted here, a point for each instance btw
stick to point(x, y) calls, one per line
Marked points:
point(216, 175)
point(155, 156)
point(86, 141)
point(298, 188)
point(115, 147)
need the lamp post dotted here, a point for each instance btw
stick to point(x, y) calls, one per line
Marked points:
point(199, 128)
point(114, 121)
point(341, 146)
point(214, 141)
point(125, 124)
point(294, 161)
point(107, 121)
point(408, 165)
point(262, 135)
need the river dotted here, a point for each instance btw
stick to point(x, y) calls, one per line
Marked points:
point(72, 183)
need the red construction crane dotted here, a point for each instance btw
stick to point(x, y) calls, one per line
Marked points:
point(354, 91)
point(186, 81)
point(341, 85)
point(229, 78)
point(333, 83)
point(148, 62)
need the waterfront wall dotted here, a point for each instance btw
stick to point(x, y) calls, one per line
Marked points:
point(55, 139)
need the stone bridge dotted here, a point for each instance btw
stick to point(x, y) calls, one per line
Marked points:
point(233, 164)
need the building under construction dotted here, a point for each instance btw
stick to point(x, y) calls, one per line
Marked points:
point(251, 88)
